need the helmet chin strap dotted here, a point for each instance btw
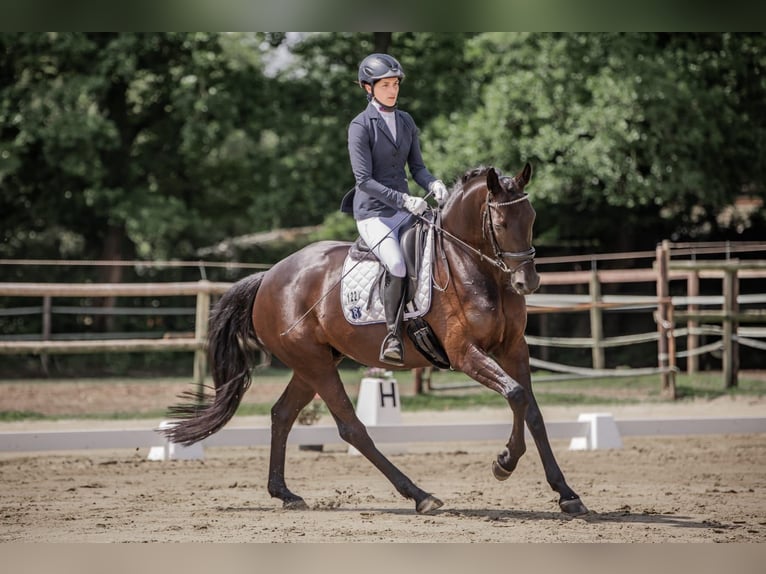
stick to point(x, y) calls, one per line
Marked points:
point(384, 106)
point(372, 98)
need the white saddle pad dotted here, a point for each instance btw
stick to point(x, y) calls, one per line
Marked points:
point(358, 287)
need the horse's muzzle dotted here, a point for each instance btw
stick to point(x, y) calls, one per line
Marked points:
point(524, 279)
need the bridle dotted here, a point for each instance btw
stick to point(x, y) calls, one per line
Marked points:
point(523, 257)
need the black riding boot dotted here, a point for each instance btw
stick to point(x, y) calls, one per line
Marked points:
point(391, 350)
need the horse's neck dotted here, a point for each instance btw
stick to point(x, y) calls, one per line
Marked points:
point(466, 265)
point(464, 219)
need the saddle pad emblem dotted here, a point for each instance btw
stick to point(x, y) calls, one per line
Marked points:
point(358, 287)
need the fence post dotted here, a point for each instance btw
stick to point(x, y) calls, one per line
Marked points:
point(663, 290)
point(200, 333)
point(730, 310)
point(422, 378)
point(670, 328)
point(47, 329)
point(692, 339)
point(596, 322)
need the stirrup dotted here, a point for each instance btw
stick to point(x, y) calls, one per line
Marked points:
point(391, 351)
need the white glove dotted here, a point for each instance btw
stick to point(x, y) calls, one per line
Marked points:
point(439, 190)
point(414, 204)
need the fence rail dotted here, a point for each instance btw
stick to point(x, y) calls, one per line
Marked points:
point(202, 290)
point(668, 312)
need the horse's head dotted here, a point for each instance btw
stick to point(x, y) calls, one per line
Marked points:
point(508, 220)
point(502, 206)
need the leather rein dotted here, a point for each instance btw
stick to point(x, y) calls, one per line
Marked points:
point(523, 257)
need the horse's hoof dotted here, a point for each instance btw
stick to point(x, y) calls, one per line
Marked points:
point(296, 504)
point(428, 504)
point(573, 507)
point(499, 472)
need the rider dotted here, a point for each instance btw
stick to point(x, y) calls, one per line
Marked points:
point(381, 141)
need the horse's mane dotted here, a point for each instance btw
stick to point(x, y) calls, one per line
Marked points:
point(469, 175)
point(479, 171)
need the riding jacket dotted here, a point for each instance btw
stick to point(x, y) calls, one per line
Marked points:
point(378, 161)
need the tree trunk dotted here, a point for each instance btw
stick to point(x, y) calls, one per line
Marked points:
point(382, 41)
point(112, 251)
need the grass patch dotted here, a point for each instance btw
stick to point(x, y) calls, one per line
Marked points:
point(458, 392)
point(14, 416)
point(254, 409)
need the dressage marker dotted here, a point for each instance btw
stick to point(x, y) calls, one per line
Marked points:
point(378, 403)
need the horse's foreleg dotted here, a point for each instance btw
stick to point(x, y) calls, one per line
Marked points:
point(283, 415)
point(569, 501)
point(517, 364)
point(481, 367)
point(353, 431)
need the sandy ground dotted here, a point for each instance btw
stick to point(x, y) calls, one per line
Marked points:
point(680, 489)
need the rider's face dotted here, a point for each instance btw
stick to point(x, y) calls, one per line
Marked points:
point(386, 91)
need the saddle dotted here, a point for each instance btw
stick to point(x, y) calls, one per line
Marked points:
point(413, 243)
point(363, 275)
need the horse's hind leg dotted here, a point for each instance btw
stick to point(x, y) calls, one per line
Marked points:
point(353, 431)
point(283, 414)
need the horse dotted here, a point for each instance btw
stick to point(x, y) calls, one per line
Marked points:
point(483, 267)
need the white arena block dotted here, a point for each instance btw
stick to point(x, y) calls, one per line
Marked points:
point(602, 434)
point(173, 451)
point(378, 403)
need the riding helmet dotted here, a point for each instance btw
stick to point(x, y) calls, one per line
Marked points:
point(378, 66)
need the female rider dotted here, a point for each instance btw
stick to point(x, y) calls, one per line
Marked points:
point(381, 141)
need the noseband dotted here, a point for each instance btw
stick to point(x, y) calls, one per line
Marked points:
point(522, 257)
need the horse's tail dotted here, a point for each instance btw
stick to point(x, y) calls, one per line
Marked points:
point(232, 343)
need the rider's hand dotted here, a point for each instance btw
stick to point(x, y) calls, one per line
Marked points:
point(414, 204)
point(439, 190)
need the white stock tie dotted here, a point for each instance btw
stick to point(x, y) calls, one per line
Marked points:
point(390, 119)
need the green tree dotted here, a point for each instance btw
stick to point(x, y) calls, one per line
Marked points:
point(319, 96)
point(127, 144)
point(657, 131)
point(154, 145)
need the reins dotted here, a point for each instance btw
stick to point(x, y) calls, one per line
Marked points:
point(499, 259)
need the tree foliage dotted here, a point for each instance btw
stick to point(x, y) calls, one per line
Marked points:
point(660, 131)
point(155, 145)
point(137, 143)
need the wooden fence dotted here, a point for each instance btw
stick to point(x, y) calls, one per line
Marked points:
point(667, 310)
point(202, 290)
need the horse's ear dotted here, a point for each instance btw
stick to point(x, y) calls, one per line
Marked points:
point(493, 181)
point(524, 175)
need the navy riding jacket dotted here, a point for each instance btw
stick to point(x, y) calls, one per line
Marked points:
point(378, 162)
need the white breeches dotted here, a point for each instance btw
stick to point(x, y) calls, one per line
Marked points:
point(378, 235)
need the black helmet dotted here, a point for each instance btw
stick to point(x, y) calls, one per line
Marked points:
point(378, 66)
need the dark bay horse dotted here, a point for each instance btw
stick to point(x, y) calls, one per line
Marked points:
point(483, 267)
